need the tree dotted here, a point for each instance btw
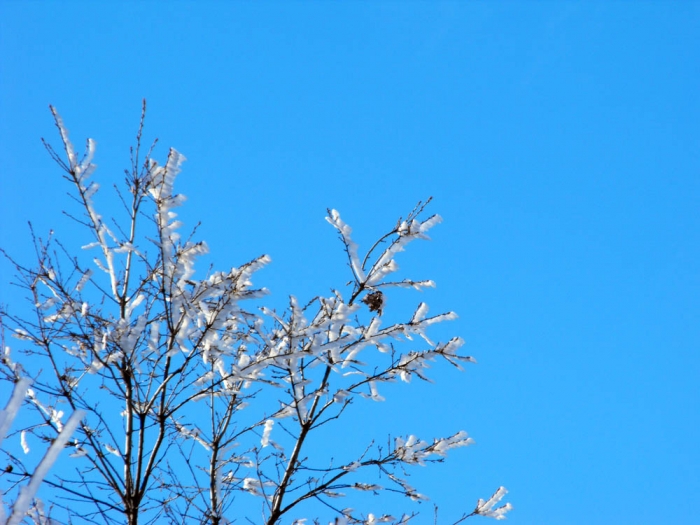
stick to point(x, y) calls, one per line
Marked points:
point(160, 365)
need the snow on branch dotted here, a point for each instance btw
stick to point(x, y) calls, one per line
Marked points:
point(181, 385)
point(27, 493)
point(350, 246)
point(412, 450)
point(7, 416)
point(486, 507)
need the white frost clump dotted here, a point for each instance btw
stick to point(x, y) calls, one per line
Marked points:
point(265, 441)
point(415, 451)
point(23, 441)
point(485, 508)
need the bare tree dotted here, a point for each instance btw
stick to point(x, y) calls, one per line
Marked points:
point(161, 363)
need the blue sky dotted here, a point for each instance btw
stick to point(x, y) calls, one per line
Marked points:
point(559, 140)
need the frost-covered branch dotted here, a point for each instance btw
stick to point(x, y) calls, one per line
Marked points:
point(192, 393)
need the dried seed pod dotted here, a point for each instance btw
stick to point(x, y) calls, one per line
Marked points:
point(375, 301)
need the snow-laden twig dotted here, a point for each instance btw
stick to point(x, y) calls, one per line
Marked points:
point(486, 507)
point(8, 415)
point(412, 450)
point(27, 493)
point(350, 245)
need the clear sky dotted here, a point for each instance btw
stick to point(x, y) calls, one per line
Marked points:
point(559, 140)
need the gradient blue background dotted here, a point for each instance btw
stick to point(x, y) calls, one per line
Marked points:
point(561, 144)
